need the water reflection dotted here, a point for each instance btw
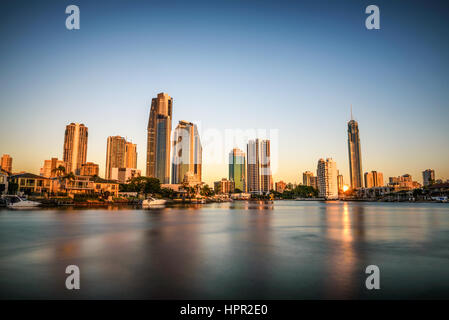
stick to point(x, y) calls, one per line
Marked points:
point(241, 250)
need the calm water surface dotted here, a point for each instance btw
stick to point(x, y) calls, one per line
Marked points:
point(240, 250)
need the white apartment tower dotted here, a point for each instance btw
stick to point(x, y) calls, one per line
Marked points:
point(327, 178)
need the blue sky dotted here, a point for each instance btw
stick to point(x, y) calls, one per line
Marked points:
point(292, 66)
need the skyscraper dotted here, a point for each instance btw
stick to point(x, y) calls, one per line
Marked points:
point(6, 163)
point(259, 179)
point(120, 154)
point(428, 177)
point(237, 169)
point(158, 140)
point(340, 181)
point(355, 155)
point(75, 147)
point(187, 152)
point(327, 178)
point(115, 154)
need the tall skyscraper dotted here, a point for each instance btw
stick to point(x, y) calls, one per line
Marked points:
point(158, 140)
point(6, 163)
point(187, 152)
point(237, 169)
point(327, 178)
point(120, 154)
point(75, 147)
point(259, 178)
point(428, 177)
point(355, 154)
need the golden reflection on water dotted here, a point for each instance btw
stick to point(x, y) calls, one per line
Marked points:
point(345, 230)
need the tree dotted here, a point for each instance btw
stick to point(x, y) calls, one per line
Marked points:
point(59, 171)
point(206, 191)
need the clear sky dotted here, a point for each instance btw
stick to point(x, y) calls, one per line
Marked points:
point(291, 66)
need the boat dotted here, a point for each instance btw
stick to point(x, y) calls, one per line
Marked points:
point(153, 202)
point(15, 202)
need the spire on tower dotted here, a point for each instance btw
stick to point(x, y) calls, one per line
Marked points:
point(351, 113)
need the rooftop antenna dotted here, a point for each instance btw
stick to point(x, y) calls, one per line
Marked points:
point(351, 113)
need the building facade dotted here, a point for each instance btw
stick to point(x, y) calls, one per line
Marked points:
point(130, 155)
point(75, 147)
point(327, 179)
point(187, 152)
point(120, 154)
point(280, 186)
point(158, 138)
point(403, 183)
point(29, 183)
point(237, 169)
point(6, 163)
point(428, 177)
point(90, 169)
point(224, 186)
point(49, 167)
point(115, 154)
point(355, 155)
point(340, 182)
point(259, 179)
point(122, 175)
point(374, 179)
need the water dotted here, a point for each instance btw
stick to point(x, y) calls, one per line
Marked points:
point(287, 250)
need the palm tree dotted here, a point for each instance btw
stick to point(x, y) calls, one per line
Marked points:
point(68, 177)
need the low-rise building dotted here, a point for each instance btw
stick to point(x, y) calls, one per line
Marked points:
point(224, 186)
point(280, 186)
point(29, 183)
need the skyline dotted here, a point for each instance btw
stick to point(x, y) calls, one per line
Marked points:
point(297, 73)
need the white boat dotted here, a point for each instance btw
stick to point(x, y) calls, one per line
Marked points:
point(153, 202)
point(15, 202)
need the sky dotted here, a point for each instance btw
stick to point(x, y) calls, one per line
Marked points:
point(290, 68)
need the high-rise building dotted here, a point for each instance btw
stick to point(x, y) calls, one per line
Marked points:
point(340, 181)
point(308, 179)
point(6, 163)
point(259, 178)
point(90, 169)
point(130, 155)
point(355, 154)
point(115, 154)
point(428, 177)
point(237, 169)
point(187, 152)
point(75, 147)
point(158, 140)
point(120, 154)
point(327, 178)
point(374, 179)
point(48, 170)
